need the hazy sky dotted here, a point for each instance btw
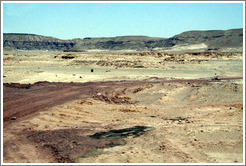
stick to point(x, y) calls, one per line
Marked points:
point(79, 20)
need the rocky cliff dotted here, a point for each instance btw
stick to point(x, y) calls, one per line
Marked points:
point(35, 42)
point(206, 40)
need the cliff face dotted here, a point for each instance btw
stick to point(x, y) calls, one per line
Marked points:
point(214, 40)
point(35, 42)
point(117, 43)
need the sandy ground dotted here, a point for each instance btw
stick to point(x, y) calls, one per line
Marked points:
point(33, 66)
point(195, 119)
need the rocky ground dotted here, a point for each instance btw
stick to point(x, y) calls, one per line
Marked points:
point(139, 108)
point(33, 66)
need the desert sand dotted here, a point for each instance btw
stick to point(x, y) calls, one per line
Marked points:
point(134, 107)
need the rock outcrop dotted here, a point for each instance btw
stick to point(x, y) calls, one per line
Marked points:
point(213, 40)
point(34, 42)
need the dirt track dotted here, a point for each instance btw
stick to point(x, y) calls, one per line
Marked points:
point(44, 95)
point(54, 120)
point(189, 109)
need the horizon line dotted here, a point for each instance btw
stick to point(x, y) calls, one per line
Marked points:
point(23, 33)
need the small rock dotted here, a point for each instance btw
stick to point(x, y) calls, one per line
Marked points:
point(13, 118)
point(216, 78)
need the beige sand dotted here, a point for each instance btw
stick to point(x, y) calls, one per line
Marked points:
point(33, 66)
point(194, 122)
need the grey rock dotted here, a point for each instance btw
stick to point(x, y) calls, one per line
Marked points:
point(215, 40)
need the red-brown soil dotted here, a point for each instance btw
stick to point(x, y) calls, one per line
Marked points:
point(19, 101)
point(194, 121)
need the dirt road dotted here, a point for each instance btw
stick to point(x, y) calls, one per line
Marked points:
point(22, 100)
point(180, 108)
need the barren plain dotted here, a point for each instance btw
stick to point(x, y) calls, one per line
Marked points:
point(122, 107)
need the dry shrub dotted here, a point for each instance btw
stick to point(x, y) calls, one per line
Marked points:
point(128, 110)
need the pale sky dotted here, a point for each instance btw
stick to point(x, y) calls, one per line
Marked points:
point(79, 20)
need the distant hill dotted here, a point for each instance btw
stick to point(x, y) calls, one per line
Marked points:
point(117, 43)
point(208, 40)
point(213, 38)
point(35, 42)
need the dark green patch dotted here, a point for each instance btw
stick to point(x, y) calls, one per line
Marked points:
point(178, 119)
point(123, 133)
